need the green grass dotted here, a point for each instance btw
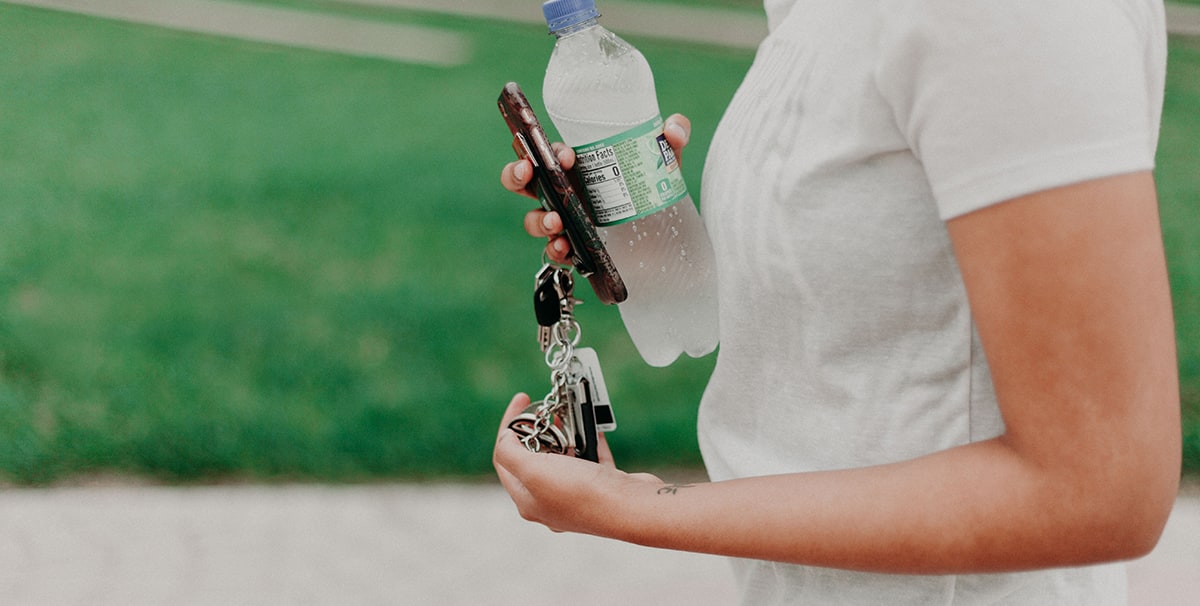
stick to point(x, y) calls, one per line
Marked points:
point(222, 259)
point(1179, 192)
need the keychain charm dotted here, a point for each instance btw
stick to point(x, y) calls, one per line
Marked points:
point(538, 431)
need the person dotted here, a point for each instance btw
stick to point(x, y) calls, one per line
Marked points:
point(947, 371)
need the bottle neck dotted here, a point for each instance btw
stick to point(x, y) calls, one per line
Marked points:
point(575, 28)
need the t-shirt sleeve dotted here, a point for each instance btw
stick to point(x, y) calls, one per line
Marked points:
point(1001, 99)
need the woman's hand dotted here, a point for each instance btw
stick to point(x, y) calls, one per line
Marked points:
point(515, 177)
point(562, 492)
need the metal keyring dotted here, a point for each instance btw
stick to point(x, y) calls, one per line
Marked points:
point(559, 353)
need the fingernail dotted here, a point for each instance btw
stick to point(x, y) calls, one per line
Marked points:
point(559, 246)
point(679, 132)
point(521, 171)
point(546, 222)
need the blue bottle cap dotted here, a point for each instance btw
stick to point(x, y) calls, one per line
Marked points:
point(565, 13)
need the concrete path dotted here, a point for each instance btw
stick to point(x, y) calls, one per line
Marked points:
point(399, 544)
point(438, 544)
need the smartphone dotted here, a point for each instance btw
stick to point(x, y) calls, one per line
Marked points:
point(554, 188)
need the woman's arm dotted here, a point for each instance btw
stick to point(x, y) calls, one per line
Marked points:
point(1070, 295)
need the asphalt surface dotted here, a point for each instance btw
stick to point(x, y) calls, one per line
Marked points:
point(438, 544)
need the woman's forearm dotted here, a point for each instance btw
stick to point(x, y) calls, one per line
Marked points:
point(977, 508)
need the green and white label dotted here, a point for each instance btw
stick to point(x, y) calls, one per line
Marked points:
point(630, 175)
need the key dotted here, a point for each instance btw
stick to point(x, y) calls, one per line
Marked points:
point(546, 304)
point(553, 301)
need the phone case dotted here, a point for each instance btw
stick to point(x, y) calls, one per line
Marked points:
point(554, 188)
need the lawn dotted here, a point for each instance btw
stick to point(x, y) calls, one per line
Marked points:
point(222, 259)
point(1179, 193)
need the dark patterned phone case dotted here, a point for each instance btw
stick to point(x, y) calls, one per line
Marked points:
point(554, 188)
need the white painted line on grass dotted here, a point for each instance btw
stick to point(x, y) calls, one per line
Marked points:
point(1183, 19)
point(392, 41)
point(707, 25)
point(723, 27)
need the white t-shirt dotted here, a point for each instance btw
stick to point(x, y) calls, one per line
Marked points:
point(846, 337)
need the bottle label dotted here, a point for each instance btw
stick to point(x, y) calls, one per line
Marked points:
point(630, 175)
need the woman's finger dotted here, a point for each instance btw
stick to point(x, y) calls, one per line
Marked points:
point(603, 452)
point(515, 177)
point(558, 249)
point(543, 224)
point(566, 155)
point(678, 130)
point(518, 403)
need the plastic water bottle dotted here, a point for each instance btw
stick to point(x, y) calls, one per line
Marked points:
point(599, 93)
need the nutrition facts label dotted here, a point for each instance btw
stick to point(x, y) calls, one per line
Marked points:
point(603, 180)
point(630, 175)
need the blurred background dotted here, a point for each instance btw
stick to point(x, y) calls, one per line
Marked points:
point(266, 241)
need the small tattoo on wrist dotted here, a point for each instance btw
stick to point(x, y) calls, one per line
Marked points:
point(673, 488)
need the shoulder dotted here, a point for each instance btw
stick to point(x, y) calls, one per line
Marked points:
point(999, 99)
